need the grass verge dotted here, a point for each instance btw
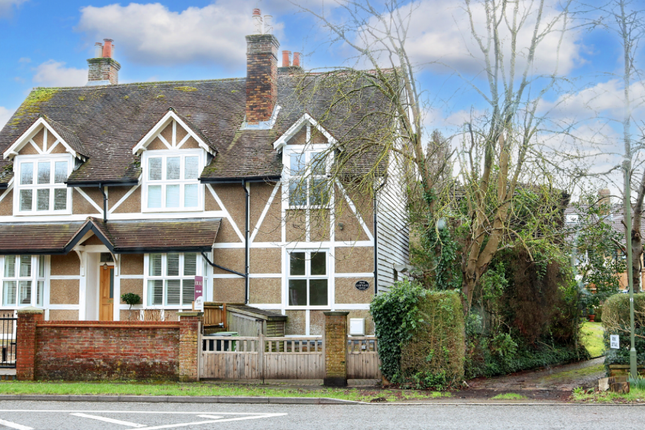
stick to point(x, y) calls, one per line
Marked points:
point(509, 396)
point(209, 389)
point(635, 395)
point(591, 337)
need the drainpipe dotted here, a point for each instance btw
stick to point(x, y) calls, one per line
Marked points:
point(374, 211)
point(105, 202)
point(246, 243)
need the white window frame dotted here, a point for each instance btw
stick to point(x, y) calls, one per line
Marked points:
point(199, 270)
point(38, 278)
point(308, 276)
point(164, 154)
point(18, 187)
point(291, 178)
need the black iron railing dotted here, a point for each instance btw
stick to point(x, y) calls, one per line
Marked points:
point(7, 340)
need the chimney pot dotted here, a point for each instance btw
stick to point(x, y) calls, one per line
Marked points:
point(257, 21)
point(98, 50)
point(296, 59)
point(268, 20)
point(286, 62)
point(107, 48)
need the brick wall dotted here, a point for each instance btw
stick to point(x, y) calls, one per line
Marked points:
point(261, 77)
point(107, 350)
point(103, 69)
point(335, 349)
point(89, 350)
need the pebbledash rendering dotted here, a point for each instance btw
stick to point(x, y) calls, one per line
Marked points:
point(138, 188)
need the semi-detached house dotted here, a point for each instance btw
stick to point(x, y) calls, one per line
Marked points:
point(114, 188)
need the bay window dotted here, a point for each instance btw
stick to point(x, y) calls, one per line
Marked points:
point(308, 279)
point(23, 280)
point(171, 180)
point(40, 184)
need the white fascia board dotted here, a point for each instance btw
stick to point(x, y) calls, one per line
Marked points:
point(30, 133)
point(282, 140)
point(161, 124)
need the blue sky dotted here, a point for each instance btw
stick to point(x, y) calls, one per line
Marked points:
point(46, 43)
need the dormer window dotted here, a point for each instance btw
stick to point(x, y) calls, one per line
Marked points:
point(171, 180)
point(40, 184)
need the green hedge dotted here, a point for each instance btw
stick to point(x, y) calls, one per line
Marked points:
point(615, 320)
point(421, 336)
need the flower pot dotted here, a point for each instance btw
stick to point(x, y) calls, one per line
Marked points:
point(592, 318)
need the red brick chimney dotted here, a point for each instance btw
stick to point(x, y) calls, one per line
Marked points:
point(261, 74)
point(104, 70)
point(286, 62)
point(296, 59)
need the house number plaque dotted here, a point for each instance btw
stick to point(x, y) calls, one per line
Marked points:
point(362, 285)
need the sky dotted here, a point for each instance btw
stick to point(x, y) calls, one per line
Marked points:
point(46, 43)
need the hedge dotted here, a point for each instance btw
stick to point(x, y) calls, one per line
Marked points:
point(615, 320)
point(421, 336)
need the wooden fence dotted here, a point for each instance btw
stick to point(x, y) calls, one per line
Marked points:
point(259, 357)
point(362, 358)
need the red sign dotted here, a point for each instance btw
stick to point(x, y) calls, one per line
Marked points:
point(199, 286)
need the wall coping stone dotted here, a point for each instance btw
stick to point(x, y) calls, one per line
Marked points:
point(336, 313)
point(190, 314)
point(31, 310)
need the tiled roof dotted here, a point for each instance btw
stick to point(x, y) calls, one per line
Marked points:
point(70, 138)
point(104, 123)
point(127, 237)
point(121, 237)
point(36, 238)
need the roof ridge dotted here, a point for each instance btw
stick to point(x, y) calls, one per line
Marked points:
point(139, 84)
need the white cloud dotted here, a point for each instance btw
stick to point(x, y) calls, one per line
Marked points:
point(5, 114)
point(153, 34)
point(439, 33)
point(7, 5)
point(54, 74)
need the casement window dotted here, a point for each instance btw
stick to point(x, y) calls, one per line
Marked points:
point(23, 280)
point(171, 180)
point(171, 279)
point(40, 185)
point(308, 279)
point(308, 179)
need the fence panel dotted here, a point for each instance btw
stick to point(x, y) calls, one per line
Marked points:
point(8, 339)
point(228, 357)
point(293, 358)
point(362, 358)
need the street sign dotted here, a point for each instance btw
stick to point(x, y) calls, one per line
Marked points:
point(614, 341)
point(199, 293)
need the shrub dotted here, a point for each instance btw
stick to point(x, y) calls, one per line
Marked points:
point(420, 334)
point(395, 318)
point(615, 320)
point(434, 355)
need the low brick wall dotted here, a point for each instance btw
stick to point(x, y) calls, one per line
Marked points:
point(89, 350)
point(107, 350)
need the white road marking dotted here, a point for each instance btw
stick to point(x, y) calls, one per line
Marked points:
point(109, 420)
point(196, 423)
point(210, 417)
point(14, 425)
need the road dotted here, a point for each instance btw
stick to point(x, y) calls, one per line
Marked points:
point(24, 415)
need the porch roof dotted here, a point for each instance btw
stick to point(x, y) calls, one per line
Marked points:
point(139, 236)
point(120, 237)
point(36, 238)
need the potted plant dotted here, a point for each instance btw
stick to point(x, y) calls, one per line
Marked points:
point(131, 299)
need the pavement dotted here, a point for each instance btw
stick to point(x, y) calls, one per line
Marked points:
point(542, 386)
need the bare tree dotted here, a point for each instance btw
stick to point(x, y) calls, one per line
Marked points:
point(623, 18)
point(497, 154)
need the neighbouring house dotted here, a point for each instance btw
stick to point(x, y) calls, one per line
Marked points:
point(114, 188)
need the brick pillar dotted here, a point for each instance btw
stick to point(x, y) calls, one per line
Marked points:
point(26, 342)
point(189, 348)
point(335, 349)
